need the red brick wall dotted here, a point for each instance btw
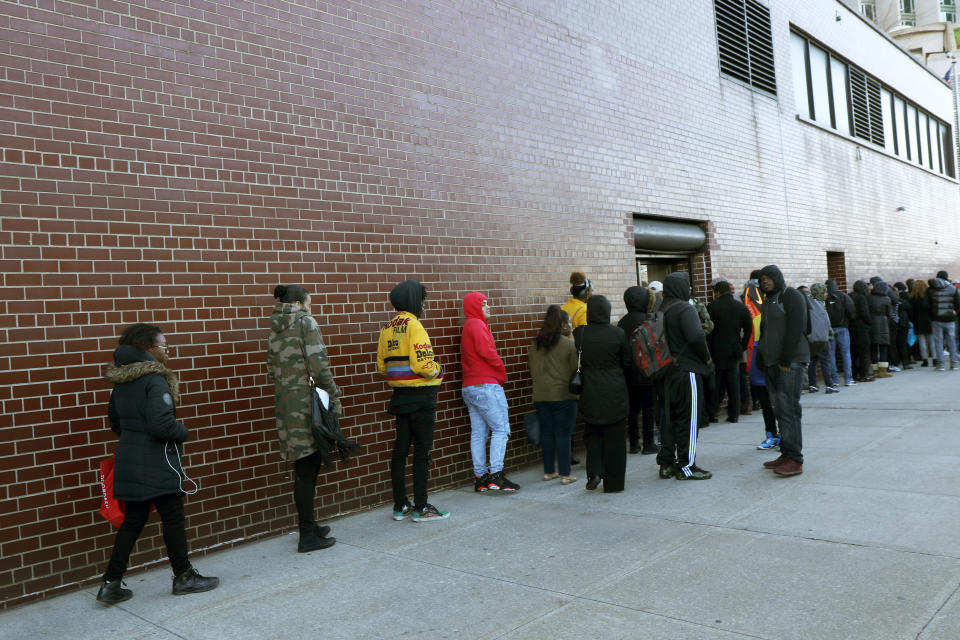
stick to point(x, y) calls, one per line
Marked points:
point(170, 162)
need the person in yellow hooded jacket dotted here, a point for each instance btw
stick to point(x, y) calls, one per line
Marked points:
point(576, 305)
point(405, 356)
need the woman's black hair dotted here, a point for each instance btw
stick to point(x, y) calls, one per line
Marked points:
point(551, 331)
point(140, 336)
point(292, 293)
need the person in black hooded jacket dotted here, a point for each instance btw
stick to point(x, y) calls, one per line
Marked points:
point(147, 468)
point(841, 312)
point(881, 315)
point(732, 327)
point(604, 401)
point(944, 302)
point(639, 304)
point(860, 333)
point(683, 385)
point(784, 355)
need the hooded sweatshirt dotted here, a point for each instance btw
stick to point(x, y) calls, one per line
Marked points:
point(636, 300)
point(861, 318)
point(404, 353)
point(839, 306)
point(783, 328)
point(685, 336)
point(478, 353)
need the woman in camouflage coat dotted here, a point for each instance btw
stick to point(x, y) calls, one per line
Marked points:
point(293, 333)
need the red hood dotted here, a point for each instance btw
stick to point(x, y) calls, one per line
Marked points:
point(473, 305)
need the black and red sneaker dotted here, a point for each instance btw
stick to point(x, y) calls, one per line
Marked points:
point(480, 483)
point(499, 482)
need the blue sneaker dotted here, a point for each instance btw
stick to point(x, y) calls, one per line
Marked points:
point(403, 512)
point(429, 513)
point(772, 442)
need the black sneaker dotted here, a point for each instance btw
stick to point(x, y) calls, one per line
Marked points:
point(667, 471)
point(813, 389)
point(311, 540)
point(321, 531)
point(696, 473)
point(649, 448)
point(113, 593)
point(192, 582)
point(634, 447)
point(499, 482)
point(593, 483)
point(480, 483)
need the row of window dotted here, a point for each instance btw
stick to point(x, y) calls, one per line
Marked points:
point(829, 90)
point(838, 95)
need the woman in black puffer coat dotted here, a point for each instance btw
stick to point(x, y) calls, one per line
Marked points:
point(881, 314)
point(604, 402)
point(147, 468)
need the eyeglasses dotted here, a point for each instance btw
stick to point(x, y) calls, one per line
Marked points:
point(165, 347)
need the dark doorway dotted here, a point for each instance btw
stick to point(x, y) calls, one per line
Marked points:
point(837, 268)
point(657, 268)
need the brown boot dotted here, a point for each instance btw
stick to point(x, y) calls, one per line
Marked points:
point(773, 464)
point(746, 408)
point(883, 371)
point(789, 468)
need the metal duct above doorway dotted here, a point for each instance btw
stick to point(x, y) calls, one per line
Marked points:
point(667, 236)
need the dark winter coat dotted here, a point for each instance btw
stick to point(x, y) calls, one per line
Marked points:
point(840, 307)
point(944, 300)
point(859, 296)
point(732, 326)
point(636, 299)
point(604, 357)
point(143, 414)
point(684, 330)
point(881, 313)
point(920, 315)
point(905, 310)
point(783, 329)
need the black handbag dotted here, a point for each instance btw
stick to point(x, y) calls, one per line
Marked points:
point(576, 382)
point(325, 424)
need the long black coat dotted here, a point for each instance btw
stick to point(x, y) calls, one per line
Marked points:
point(604, 357)
point(732, 326)
point(881, 313)
point(143, 414)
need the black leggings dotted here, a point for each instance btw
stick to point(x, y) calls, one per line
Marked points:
point(305, 471)
point(170, 508)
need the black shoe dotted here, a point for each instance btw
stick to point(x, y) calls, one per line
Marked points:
point(593, 483)
point(574, 461)
point(480, 482)
point(311, 540)
point(732, 419)
point(634, 447)
point(713, 419)
point(321, 532)
point(192, 582)
point(650, 448)
point(667, 471)
point(113, 593)
point(499, 482)
point(696, 473)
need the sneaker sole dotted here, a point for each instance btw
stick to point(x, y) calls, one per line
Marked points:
point(430, 519)
point(205, 589)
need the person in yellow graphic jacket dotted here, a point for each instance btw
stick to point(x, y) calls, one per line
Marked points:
point(405, 357)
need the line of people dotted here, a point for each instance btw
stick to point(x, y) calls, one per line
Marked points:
point(762, 339)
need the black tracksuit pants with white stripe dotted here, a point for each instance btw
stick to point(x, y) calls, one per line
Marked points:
point(684, 395)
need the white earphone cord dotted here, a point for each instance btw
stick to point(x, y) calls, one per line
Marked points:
point(181, 478)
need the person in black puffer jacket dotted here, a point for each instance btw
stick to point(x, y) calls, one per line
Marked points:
point(860, 332)
point(639, 306)
point(881, 314)
point(604, 401)
point(147, 468)
point(944, 301)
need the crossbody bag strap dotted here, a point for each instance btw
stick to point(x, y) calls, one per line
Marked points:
point(303, 350)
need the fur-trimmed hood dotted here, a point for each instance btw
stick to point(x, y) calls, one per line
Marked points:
point(131, 364)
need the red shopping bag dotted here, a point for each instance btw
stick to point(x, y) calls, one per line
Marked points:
point(110, 508)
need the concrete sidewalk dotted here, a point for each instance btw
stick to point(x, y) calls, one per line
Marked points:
point(865, 544)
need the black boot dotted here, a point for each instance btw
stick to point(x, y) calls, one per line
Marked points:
point(634, 446)
point(311, 541)
point(322, 532)
point(113, 593)
point(192, 582)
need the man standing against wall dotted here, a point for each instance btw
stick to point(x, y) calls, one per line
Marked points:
point(784, 353)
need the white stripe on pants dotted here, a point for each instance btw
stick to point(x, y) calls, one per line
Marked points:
point(694, 423)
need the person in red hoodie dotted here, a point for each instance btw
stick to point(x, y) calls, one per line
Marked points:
point(483, 378)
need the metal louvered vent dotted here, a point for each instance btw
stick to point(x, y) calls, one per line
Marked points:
point(867, 112)
point(745, 42)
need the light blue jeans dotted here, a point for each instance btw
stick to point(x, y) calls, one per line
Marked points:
point(487, 404)
point(945, 337)
point(841, 341)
